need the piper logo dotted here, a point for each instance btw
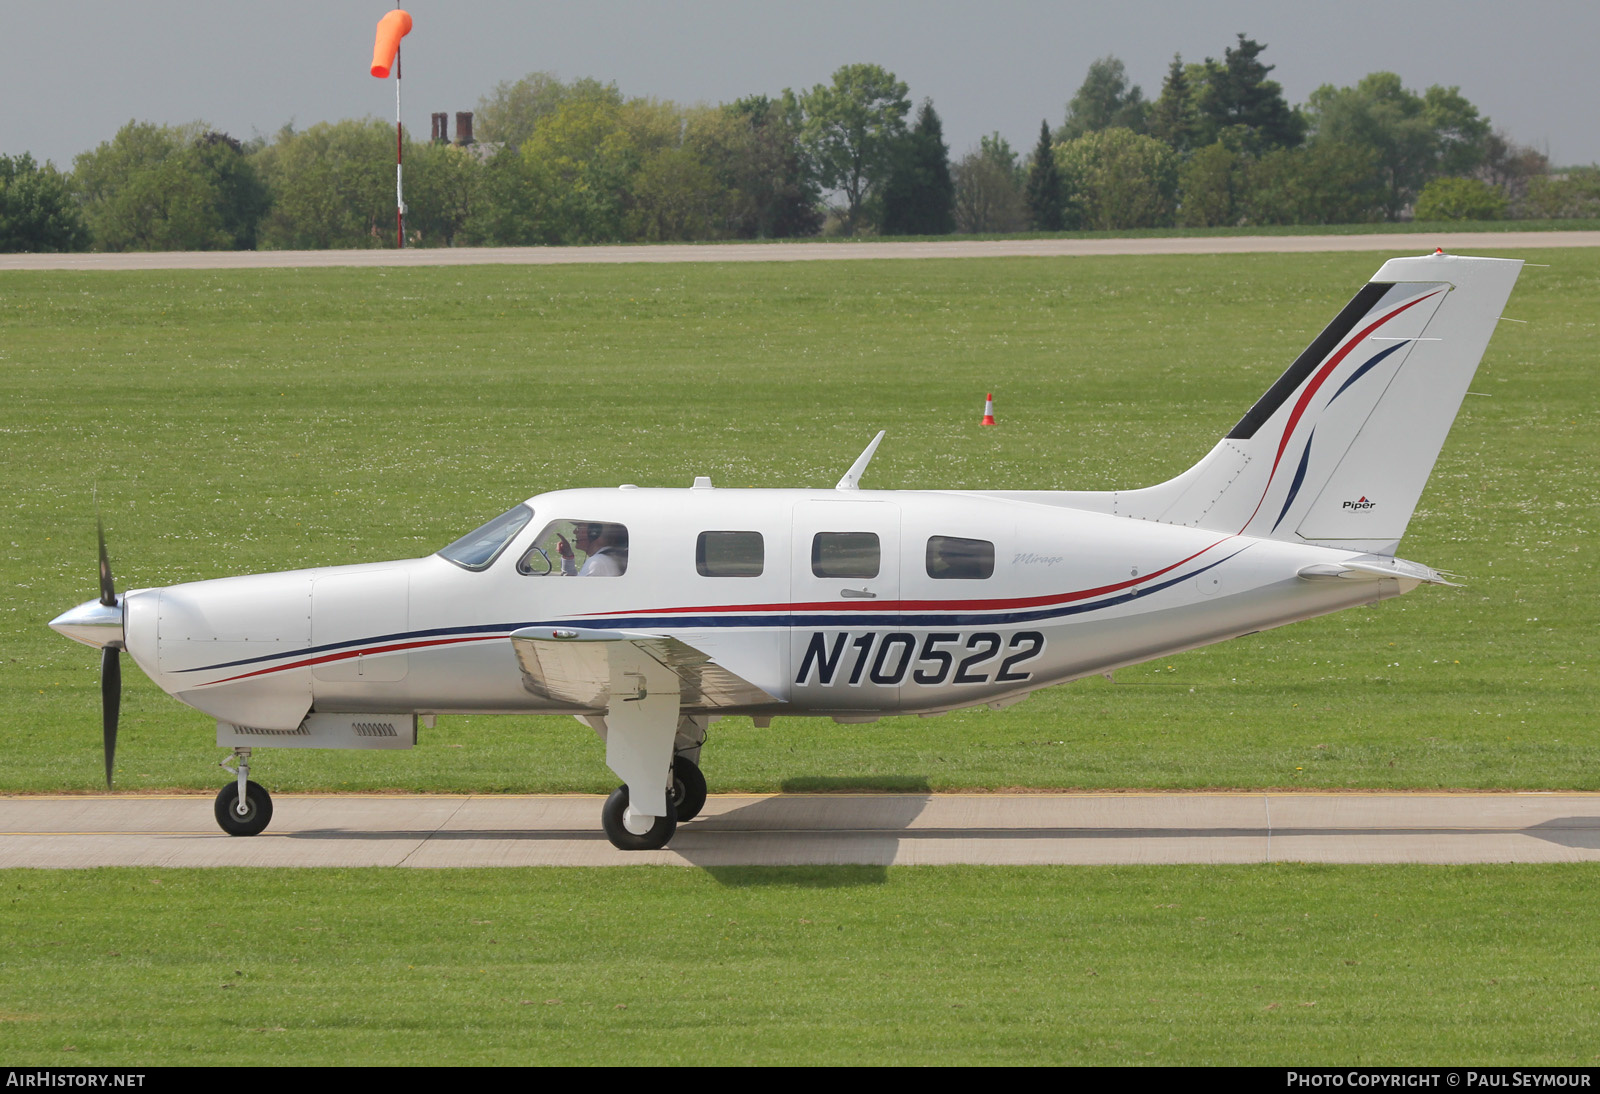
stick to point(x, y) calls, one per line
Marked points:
point(1359, 505)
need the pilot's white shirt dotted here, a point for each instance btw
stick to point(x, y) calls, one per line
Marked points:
point(603, 563)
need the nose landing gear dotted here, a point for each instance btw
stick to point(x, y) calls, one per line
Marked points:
point(244, 809)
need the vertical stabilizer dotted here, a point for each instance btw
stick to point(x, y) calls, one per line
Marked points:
point(1339, 448)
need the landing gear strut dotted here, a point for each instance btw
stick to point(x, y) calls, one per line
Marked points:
point(244, 809)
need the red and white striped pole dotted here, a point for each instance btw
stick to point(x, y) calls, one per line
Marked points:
point(386, 53)
point(988, 409)
point(399, 157)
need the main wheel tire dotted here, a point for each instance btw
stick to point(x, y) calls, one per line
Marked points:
point(257, 814)
point(622, 839)
point(688, 789)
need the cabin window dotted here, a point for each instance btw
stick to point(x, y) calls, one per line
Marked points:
point(577, 548)
point(950, 558)
point(844, 554)
point(729, 554)
point(480, 547)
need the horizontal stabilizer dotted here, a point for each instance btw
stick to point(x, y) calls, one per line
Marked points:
point(1375, 569)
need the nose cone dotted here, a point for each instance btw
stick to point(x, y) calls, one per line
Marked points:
point(93, 624)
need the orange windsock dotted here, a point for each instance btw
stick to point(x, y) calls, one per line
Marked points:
point(391, 28)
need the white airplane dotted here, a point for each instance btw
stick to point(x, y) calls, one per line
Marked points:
point(648, 613)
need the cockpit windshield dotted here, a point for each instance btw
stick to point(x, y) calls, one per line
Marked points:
point(479, 548)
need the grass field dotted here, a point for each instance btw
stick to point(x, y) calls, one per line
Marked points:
point(261, 420)
point(1177, 966)
point(1407, 227)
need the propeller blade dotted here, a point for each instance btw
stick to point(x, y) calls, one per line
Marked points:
point(108, 591)
point(110, 698)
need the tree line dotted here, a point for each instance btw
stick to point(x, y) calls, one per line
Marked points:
point(578, 162)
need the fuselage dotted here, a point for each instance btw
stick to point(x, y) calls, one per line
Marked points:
point(844, 603)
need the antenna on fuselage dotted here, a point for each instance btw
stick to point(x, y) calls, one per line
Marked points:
point(853, 476)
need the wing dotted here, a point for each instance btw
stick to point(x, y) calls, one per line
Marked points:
point(575, 665)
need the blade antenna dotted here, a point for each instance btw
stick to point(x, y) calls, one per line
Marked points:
point(853, 476)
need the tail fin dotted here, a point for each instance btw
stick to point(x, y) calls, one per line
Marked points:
point(1338, 450)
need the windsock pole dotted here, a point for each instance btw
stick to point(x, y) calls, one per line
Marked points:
point(988, 409)
point(386, 56)
point(399, 145)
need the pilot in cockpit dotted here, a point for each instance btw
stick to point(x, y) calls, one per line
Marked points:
point(605, 544)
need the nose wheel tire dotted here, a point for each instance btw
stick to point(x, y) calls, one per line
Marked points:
point(611, 819)
point(688, 791)
point(257, 809)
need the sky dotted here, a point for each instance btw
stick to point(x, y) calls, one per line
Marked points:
point(72, 72)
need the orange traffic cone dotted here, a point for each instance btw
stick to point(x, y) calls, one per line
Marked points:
point(988, 409)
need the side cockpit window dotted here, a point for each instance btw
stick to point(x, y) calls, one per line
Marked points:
point(729, 554)
point(480, 547)
point(845, 554)
point(951, 558)
point(577, 548)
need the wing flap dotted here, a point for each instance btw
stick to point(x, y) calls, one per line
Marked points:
point(573, 665)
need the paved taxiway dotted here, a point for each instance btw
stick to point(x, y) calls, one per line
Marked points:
point(1403, 243)
point(814, 829)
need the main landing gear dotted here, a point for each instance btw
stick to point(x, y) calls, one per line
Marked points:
point(629, 831)
point(245, 808)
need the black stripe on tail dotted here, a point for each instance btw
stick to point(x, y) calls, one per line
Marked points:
point(1316, 353)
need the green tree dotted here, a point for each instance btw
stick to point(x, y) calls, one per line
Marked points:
point(1511, 167)
point(332, 185)
point(1460, 199)
point(1118, 179)
point(997, 150)
point(753, 146)
point(1462, 136)
point(442, 190)
point(850, 131)
point(510, 206)
point(674, 196)
point(1412, 137)
point(1104, 100)
point(1208, 184)
point(919, 197)
point(1044, 196)
point(578, 163)
point(512, 111)
point(150, 188)
point(1241, 107)
point(37, 210)
point(1574, 193)
point(1324, 182)
point(1174, 118)
point(242, 198)
point(988, 189)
